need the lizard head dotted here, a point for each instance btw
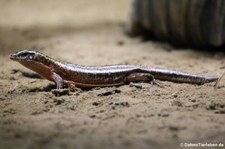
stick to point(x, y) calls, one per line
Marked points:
point(24, 55)
point(35, 61)
point(28, 57)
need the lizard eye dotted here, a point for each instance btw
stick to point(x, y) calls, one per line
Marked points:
point(26, 55)
point(23, 54)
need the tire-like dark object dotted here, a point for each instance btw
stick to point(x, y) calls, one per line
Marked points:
point(183, 22)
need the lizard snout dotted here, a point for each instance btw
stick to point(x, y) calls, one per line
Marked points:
point(12, 56)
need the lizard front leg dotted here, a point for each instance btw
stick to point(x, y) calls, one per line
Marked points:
point(58, 80)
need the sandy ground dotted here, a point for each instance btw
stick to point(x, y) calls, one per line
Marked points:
point(91, 33)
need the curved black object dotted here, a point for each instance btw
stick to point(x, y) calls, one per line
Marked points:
point(185, 22)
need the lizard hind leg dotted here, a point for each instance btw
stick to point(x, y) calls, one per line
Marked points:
point(140, 77)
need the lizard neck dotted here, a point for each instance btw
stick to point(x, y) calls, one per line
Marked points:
point(47, 61)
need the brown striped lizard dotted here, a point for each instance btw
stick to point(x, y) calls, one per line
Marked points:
point(101, 76)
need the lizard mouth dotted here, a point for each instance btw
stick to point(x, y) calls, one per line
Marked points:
point(14, 57)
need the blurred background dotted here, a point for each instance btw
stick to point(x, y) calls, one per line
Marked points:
point(187, 23)
point(25, 22)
